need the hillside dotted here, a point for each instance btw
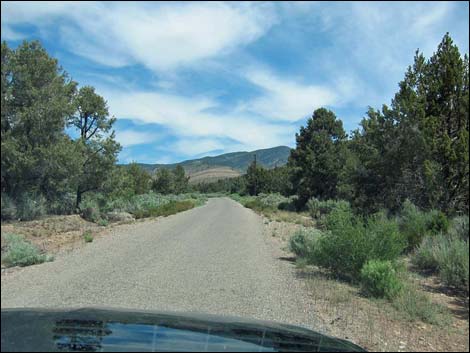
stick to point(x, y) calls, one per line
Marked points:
point(213, 174)
point(235, 163)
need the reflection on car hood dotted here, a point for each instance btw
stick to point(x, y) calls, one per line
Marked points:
point(117, 330)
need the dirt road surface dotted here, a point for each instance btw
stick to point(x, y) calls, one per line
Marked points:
point(213, 259)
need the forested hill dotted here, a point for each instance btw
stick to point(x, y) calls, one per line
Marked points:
point(239, 161)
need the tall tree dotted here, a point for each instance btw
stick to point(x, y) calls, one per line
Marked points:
point(181, 181)
point(257, 179)
point(139, 178)
point(96, 143)
point(446, 126)
point(317, 159)
point(36, 101)
point(163, 182)
point(418, 148)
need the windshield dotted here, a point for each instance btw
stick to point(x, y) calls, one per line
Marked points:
point(293, 163)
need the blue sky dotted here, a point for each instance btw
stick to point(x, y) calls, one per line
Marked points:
point(203, 78)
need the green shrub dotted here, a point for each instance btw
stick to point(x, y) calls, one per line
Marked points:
point(351, 242)
point(62, 205)
point(87, 237)
point(416, 224)
point(453, 258)
point(174, 207)
point(22, 253)
point(143, 204)
point(243, 199)
point(437, 222)
point(152, 204)
point(302, 243)
point(387, 243)
point(266, 202)
point(30, 206)
point(319, 209)
point(272, 200)
point(379, 279)
point(8, 208)
point(413, 224)
point(90, 211)
point(313, 207)
point(288, 205)
point(103, 222)
point(117, 205)
point(459, 227)
point(448, 255)
point(416, 306)
point(167, 209)
point(301, 263)
point(257, 205)
point(425, 256)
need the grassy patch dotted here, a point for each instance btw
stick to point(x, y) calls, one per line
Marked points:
point(414, 305)
point(301, 263)
point(103, 222)
point(87, 236)
point(448, 255)
point(165, 210)
point(22, 253)
point(275, 207)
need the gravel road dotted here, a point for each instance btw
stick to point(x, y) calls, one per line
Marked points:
point(213, 259)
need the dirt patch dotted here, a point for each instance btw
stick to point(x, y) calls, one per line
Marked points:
point(374, 324)
point(54, 234)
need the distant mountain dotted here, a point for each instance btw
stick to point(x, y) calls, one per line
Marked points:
point(233, 164)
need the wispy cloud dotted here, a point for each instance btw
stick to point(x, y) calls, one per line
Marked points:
point(188, 117)
point(197, 77)
point(286, 99)
point(130, 137)
point(159, 36)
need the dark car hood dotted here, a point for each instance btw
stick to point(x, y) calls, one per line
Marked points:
point(121, 330)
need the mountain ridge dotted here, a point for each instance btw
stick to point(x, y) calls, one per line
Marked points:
point(237, 161)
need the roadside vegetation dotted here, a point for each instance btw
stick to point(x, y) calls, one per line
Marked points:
point(46, 172)
point(22, 253)
point(390, 202)
point(87, 237)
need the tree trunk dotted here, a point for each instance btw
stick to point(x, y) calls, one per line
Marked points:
point(79, 199)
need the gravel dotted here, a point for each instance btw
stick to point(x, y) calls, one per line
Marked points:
point(213, 259)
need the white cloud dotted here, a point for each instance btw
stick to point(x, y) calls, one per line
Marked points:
point(426, 20)
point(9, 34)
point(285, 99)
point(159, 36)
point(131, 138)
point(191, 147)
point(187, 118)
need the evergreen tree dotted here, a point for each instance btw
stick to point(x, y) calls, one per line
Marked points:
point(180, 180)
point(317, 160)
point(418, 148)
point(163, 182)
point(36, 99)
point(98, 149)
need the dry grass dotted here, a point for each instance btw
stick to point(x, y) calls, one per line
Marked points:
point(376, 324)
point(213, 174)
point(53, 233)
point(299, 218)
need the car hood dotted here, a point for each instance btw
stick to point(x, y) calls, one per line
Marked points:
point(93, 329)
